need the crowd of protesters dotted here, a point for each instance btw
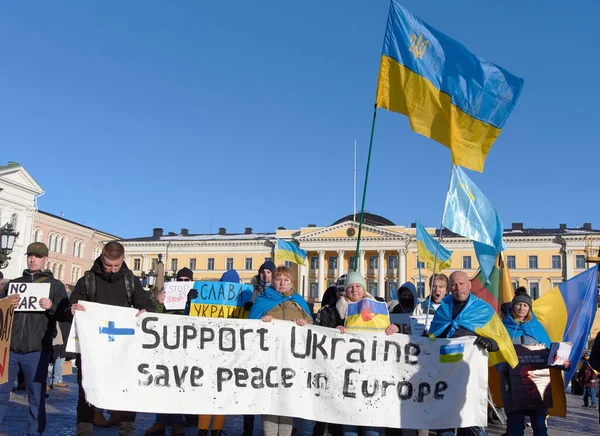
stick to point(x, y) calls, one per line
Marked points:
point(39, 338)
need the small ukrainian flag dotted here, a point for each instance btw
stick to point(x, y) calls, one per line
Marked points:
point(451, 353)
point(291, 252)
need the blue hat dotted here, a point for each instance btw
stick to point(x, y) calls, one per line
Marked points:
point(230, 276)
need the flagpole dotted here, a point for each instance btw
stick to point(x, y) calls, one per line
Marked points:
point(437, 249)
point(362, 208)
point(354, 216)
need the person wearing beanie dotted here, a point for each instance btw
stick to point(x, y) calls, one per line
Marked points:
point(524, 329)
point(185, 274)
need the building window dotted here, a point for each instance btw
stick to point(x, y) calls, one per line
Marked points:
point(14, 220)
point(56, 241)
point(248, 263)
point(50, 240)
point(533, 263)
point(36, 236)
point(333, 262)
point(420, 264)
point(373, 288)
point(268, 259)
point(515, 284)
point(534, 290)
point(467, 262)
point(193, 264)
point(555, 284)
point(174, 264)
point(137, 262)
point(314, 290)
point(579, 261)
point(421, 289)
point(97, 253)
point(63, 245)
point(393, 262)
point(556, 264)
point(80, 250)
point(75, 248)
point(210, 264)
point(61, 272)
point(352, 263)
point(289, 264)
point(314, 262)
point(392, 288)
point(229, 263)
point(511, 262)
point(373, 261)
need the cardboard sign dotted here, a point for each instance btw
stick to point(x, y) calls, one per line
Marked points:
point(176, 294)
point(418, 325)
point(560, 352)
point(402, 320)
point(31, 294)
point(529, 382)
point(158, 363)
point(221, 300)
point(6, 321)
point(367, 315)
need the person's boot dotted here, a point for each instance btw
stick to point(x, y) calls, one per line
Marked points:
point(100, 420)
point(85, 429)
point(158, 429)
point(178, 429)
point(127, 428)
point(221, 433)
point(114, 418)
point(202, 432)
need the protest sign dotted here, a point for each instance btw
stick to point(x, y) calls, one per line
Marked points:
point(73, 341)
point(367, 315)
point(190, 365)
point(402, 320)
point(221, 300)
point(560, 352)
point(31, 294)
point(419, 324)
point(6, 321)
point(529, 381)
point(176, 294)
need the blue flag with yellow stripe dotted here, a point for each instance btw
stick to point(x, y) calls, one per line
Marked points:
point(449, 94)
point(428, 248)
point(290, 252)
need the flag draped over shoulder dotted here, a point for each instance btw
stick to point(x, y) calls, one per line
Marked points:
point(497, 289)
point(449, 94)
point(567, 313)
point(290, 251)
point(469, 213)
point(480, 318)
point(428, 248)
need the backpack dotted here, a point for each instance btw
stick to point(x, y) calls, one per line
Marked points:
point(90, 286)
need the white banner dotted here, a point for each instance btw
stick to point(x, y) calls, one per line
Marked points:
point(176, 294)
point(177, 364)
point(31, 294)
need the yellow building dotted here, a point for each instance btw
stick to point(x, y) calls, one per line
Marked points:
point(538, 259)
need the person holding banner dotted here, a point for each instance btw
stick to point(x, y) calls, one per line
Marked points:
point(110, 282)
point(32, 333)
point(280, 301)
point(524, 329)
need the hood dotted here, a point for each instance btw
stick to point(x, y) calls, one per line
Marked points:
point(413, 290)
point(230, 276)
point(109, 277)
point(41, 273)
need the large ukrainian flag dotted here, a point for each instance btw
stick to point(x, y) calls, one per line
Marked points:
point(291, 252)
point(449, 94)
point(428, 248)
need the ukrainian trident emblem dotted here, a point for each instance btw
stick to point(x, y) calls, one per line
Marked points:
point(418, 46)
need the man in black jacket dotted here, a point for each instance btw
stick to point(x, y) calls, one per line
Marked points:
point(31, 342)
point(110, 282)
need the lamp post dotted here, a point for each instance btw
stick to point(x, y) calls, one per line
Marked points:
point(8, 236)
point(151, 278)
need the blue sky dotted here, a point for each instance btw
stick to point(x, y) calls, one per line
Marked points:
point(142, 114)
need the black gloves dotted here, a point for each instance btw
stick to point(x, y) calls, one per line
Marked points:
point(193, 294)
point(248, 306)
point(484, 343)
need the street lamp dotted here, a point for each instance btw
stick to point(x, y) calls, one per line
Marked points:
point(8, 237)
point(151, 277)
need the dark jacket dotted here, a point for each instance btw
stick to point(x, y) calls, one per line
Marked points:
point(33, 331)
point(111, 289)
point(586, 375)
point(595, 354)
point(328, 316)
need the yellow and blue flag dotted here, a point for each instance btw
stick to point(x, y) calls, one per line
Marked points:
point(452, 353)
point(290, 252)
point(367, 315)
point(567, 313)
point(469, 213)
point(449, 94)
point(427, 248)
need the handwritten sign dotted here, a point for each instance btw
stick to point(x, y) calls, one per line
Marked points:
point(31, 294)
point(560, 352)
point(419, 324)
point(189, 365)
point(402, 320)
point(529, 382)
point(176, 294)
point(221, 300)
point(6, 321)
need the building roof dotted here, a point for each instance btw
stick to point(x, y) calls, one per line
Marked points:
point(78, 224)
point(369, 218)
point(205, 237)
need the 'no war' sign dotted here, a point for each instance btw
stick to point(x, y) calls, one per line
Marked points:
point(31, 294)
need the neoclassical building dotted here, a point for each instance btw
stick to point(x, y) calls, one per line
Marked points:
point(538, 259)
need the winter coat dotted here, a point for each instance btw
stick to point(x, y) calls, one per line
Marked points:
point(586, 375)
point(111, 289)
point(595, 354)
point(34, 331)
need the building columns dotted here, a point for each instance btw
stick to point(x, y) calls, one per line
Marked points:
point(401, 267)
point(321, 274)
point(569, 264)
point(340, 271)
point(381, 269)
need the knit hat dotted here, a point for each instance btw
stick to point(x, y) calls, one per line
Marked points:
point(230, 276)
point(267, 265)
point(185, 272)
point(355, 278)
point(521, 296)
point(38, 248)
